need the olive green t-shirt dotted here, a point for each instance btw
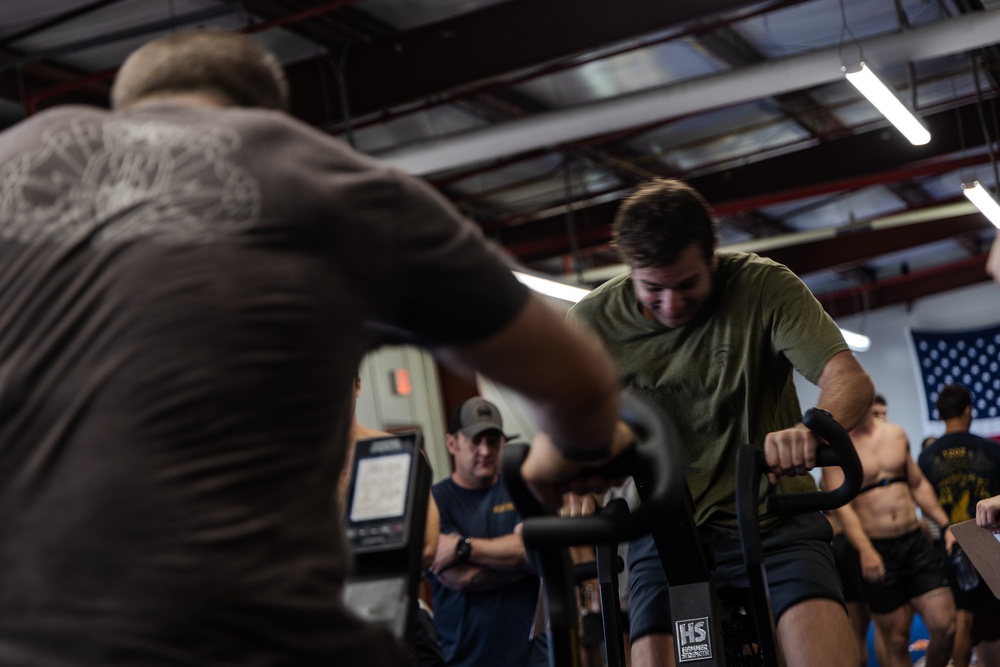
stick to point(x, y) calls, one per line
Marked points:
point(726, 377)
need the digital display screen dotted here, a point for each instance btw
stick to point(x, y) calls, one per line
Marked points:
point(380, 487)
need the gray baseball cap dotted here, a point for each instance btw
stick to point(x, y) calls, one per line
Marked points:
point(477, 415)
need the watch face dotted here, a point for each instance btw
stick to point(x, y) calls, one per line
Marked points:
point(463, 549)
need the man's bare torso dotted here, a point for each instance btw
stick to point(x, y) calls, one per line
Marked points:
point(885, 511)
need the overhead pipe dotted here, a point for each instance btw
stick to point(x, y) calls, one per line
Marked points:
point(128, 33)
point(505, 83)
point(56, 20)
point(32, 100)
point(603, 205)
point(766, 79)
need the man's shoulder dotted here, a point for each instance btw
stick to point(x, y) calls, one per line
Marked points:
point(989, 443)
point(445, 487)
point(58, 116)
point(963, 439)
point(604, 292)
point(748, 269)
point(892, 435)
point(737, 260)
point(895, 430)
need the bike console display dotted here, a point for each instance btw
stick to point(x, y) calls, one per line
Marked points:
point(386, 514)
point(380, 497)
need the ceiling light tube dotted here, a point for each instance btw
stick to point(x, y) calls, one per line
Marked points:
point(885, 101)
point(552, 288)
point(855, 341)
point(983, 200)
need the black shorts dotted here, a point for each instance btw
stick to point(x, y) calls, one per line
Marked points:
point(979, 600)
point(912, 568)
point(849, 567)
point(797, 559)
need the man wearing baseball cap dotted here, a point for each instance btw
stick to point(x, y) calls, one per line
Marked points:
point(484, 590)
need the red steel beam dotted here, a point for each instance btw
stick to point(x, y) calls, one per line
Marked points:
point(906, 288)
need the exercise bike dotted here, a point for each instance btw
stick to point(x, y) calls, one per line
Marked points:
point(702, 634)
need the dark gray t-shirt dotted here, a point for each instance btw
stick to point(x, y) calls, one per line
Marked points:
point(185, 296)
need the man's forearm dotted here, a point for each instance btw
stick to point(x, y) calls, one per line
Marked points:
point(564, 372)
point(846, 391)
point(505, 553)
point(476, 578)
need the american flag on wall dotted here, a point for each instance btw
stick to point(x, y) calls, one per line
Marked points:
point(971, 358)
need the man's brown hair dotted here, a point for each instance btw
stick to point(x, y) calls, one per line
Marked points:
point(952, 401)
point(660, 220)
point(225, 65)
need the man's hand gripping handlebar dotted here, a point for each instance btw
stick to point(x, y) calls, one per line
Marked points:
point(656, 449)
point(837, 452)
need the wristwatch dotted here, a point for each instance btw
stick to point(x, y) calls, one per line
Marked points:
point(463, 549)
point(586, 455)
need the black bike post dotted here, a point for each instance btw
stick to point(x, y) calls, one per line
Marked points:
point(748, 471)
point(608, 569)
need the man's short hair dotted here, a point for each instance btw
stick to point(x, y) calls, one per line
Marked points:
point(226, 65)
point(952, 401)
point(660, 220)
point(879, 400)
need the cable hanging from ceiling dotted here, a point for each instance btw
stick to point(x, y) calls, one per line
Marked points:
point(976, 192)
point(574, 245)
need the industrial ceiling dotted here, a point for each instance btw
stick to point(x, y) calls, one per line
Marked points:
point(535, 117)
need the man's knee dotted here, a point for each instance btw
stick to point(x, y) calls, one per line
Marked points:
point(816, 632)
point(937, 608)
point(894, 628)
point(655, 650)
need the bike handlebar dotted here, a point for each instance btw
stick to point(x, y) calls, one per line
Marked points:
point(657, 450)
point(838, 452)
point(657, 454)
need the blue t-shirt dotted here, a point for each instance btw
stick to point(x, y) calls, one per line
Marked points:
point(488, 627)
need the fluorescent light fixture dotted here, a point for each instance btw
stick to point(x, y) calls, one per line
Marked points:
point(551, 287)
point(856, 341)
point(890, 106)
point(983, 200)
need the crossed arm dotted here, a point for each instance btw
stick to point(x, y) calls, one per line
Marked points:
point(493, 563)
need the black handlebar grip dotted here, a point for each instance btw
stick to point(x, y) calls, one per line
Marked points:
point(838, 452)
point(656, 449)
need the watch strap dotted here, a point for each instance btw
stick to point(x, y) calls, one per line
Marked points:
point(586, 455)
point(463, 548)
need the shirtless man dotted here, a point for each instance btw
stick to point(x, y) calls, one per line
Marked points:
point(849, 568)
point(898, 561)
